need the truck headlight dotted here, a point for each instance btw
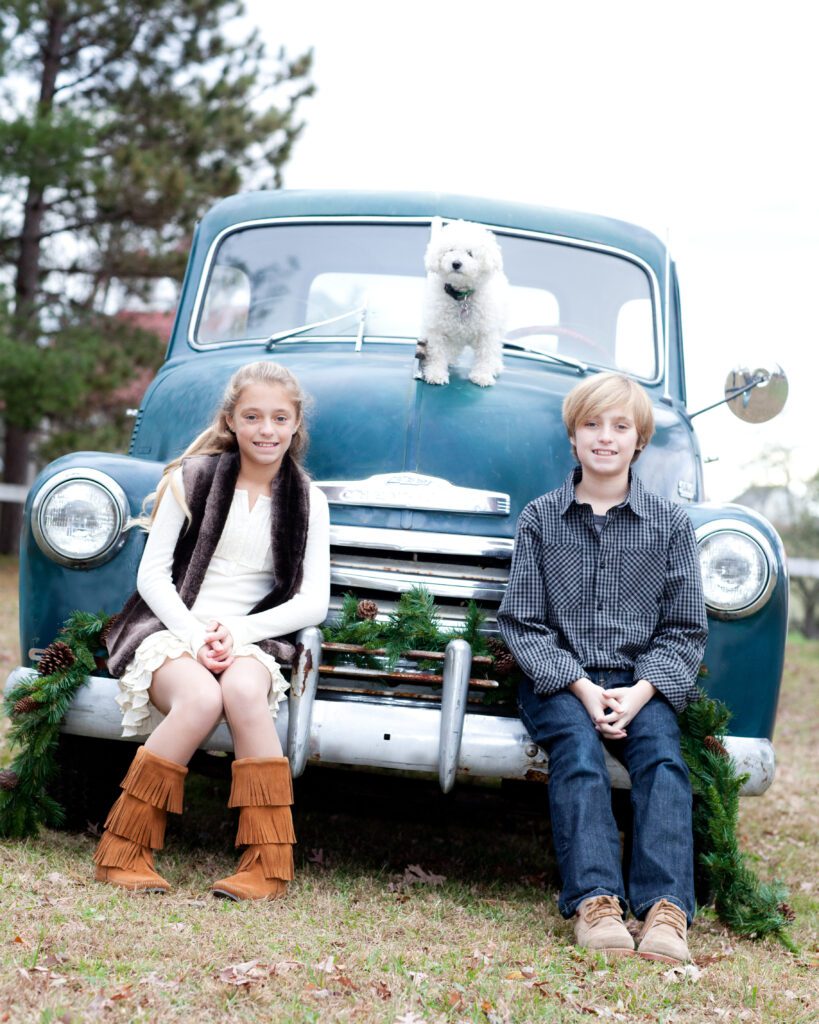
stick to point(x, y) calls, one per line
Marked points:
point(78, 517)
point(738, 568)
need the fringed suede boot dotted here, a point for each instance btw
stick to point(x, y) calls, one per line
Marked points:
point(135, 825)
point(263, 789)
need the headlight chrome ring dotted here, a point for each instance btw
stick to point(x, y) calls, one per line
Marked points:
point(739, 568)
point(78, 518)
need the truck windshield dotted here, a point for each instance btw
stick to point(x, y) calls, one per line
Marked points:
point(565, 300)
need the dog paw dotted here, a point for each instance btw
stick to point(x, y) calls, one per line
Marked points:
point(436, 378)
point(483, 380)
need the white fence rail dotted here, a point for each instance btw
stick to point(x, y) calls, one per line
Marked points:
point(804, 567)
point(13, 493)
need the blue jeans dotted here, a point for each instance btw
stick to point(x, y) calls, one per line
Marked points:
point(586, 839)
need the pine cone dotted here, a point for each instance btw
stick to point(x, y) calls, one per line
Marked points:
point(505, 663)
point(713, 744)
point(57, 657)
point(8, 779)
point(26, 704)
point(366, 610)
point(106, 629)
point(785, 909)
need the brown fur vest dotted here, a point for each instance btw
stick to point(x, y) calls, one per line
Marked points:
point(210, 481)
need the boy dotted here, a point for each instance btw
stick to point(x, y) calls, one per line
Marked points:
point(604, 613)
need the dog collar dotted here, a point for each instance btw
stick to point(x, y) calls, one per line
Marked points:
point(455, 294)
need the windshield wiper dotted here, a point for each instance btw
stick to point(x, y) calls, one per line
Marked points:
point(293, 332)
point(575, 364)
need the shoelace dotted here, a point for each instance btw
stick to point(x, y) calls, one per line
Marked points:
point(670, 915)
point(603, 906)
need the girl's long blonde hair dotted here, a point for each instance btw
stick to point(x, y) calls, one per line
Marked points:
point(218, 437)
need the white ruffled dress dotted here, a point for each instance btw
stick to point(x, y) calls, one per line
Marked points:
point(239, 575)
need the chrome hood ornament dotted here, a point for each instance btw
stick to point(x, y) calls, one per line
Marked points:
point(415, 491)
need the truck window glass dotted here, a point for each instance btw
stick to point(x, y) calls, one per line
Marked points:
point(564, 299)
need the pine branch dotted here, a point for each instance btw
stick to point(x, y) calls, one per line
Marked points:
point(748, 906)
point(34, 734)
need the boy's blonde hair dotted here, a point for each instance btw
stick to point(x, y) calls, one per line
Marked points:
point(218, 437)
point(607, 391)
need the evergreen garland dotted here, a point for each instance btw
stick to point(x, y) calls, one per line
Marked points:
point(37, 706)
point(414, 625)
point(749, 907)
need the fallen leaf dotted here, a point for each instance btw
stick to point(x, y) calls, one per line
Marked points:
point(456, 1000)
point(684, 972)
point(327, 966)
point(314, 990)
point(317, 857)
point(177, 926)
point(342, 979)
point(382, 991)
point(409, 1018)
point(154, 980)
point(99, 1003)
point(480, 958)
point(58, 879)
point(414, 874)
point(249, 973)
point(417, 976)
point(123, 993)
point(711, 958)
point(20, 940)
point(285, 966)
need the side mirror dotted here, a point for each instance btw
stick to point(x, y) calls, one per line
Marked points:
point(756, 396)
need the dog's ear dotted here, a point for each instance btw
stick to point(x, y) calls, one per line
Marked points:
point(432, 256)
point(494, 256)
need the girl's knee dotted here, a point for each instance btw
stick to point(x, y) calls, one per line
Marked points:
point(245, 685)
point(202, 699)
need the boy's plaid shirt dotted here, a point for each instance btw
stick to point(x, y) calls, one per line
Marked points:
point(628, 599)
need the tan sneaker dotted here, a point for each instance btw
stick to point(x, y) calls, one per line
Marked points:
point(598, 925)
point(664, 934)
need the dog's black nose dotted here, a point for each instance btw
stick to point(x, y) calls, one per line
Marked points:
point(456, 264)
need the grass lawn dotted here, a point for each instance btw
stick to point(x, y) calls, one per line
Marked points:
point(408, 907)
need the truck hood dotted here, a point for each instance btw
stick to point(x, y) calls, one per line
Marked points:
point(370, 416)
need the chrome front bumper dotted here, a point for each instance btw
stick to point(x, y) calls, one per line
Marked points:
point(445, 741)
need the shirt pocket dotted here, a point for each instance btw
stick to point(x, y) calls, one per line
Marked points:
point(642, 575)
point(563, 572)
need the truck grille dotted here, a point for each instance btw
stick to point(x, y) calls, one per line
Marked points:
point(381, 564)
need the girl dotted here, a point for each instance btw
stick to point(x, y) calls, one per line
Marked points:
point(237, 553)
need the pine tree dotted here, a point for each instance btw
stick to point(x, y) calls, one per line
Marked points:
point(120, 122)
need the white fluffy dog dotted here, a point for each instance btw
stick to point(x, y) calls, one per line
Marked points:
point(464, 303)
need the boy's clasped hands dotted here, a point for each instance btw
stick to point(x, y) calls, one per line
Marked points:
point(612, 710)
point(216, 654)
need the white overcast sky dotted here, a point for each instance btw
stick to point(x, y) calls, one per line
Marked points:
point(696, 120)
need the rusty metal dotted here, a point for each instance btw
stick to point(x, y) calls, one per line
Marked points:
point(402, 677)
point(477, 659)
point(432, 698)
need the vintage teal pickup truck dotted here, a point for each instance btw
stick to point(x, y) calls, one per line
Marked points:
point(425, 483)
